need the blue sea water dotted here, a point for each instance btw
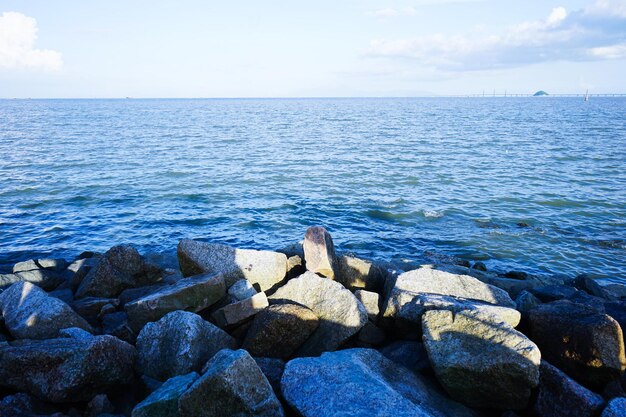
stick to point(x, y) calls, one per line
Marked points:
point(392, 179)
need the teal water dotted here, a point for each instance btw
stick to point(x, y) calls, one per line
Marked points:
point(390, 178)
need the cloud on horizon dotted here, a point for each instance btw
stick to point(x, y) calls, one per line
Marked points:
point(597, 32)
point(18, 34)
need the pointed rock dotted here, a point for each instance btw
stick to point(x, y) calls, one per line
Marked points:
point(319, 252)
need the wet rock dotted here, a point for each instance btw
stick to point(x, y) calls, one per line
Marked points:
point(30, 313)
point(242, 289)
point(319, 252)
point(163, 402)
point(525, 302)
point(579, 340)
point(355, 273)
point(279, 330)
point(236, 313)
point(192, 294)
point(265, 268)
point(341, 314)
point(66, 369)
point(561, 396)
point(480, 362)
point(362, 382)
point(412, 355)
point(273, 369)
point(370, 301)
point(516, 275)
point(179, 343)
point(547, 293)
point(480, 266)
point(231, 385)
point(606, 288)
point(615, 408)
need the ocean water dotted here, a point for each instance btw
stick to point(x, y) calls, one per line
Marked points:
point(392, 179)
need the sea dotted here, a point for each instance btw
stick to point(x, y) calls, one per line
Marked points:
point(533, 184)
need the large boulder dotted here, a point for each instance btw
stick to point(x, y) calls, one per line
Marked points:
point(355, 273)
point(615, 408)
point(580, 340)
point(341, 314)
point(121, 267)
point(231, 385)
point(279, 330)
point(265, 268)
point(163, 402)
point(30, 313)
point(67, 369)
point(362, 382)
point(561, 396)
point(319, 252)
point(192, 294)
point(238, 312)
point(179, 343)
point(414, 292)
point(480, 362)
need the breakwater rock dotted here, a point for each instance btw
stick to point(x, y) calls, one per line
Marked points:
point(302, 331)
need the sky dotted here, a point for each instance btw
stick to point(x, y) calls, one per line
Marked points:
point(325, 48)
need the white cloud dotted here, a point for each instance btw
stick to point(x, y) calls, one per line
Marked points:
point(595, 33)
point(18, 34)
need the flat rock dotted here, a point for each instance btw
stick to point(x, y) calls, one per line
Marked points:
point(46, 279)
point(240, 311)
point(30, 313)
point(341, 314)
point(561, 396)
point(480, 362)
point(163, 402)
point(265, 268)
point(68, 369)
point(319, 252)
point(355, 273)
point(50, 264)
point(242, 289)
point(179, 343)
point(362, 382)
point(585, 343)
point(370, 301)
point(231, 385)
point(615, 408)
point(191, 294)
point(280, 330)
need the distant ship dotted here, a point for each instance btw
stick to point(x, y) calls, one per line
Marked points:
point(587, 95)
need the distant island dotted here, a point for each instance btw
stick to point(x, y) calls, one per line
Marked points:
point(540, 93)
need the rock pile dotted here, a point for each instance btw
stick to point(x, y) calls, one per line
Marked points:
point(304, 331)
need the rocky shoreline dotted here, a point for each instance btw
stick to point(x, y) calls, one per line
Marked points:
point(303, 331)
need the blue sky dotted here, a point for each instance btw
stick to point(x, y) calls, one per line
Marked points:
point(292, 48)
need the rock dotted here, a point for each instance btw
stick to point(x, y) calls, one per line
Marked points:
point(525, 302)
point(132, 294)
point(116, 324)
point(586, 344)
point(192, 294)
point(163, 402)
point(99, 405)
point(480, 266)
point(121, 267)
point(294, 249)
point(273, 369)
point(268, 269)
point(371, 335)
point(47, 280)
point(606, 288)
point(341, 314)
point(50, 264)
point(66, 295)
point(547, 293)
point(362, 382)
point(79, 268)
point(231, 385)
point(355, 273)
point(319, 252)
point(561, 396)
point(480, 362)
point(615, 408)
point(30, 313)
point(370, 301)
point(516, 275)
point(89, 307)
point(242, 289)
point(179, 343)
point(279, 330)
point(66, 369)
point(295, 266)
point(412, 355)
point(22, 405)
point(236, 313)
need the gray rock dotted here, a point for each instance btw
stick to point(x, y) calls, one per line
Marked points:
point(371, 335)
point(319, 252)
point(163, 402)
point(89, 307)
point(370, 301)
point(66, 369)
point(362, 382)
point(525, 302)
point(192, 294)
point(50, 264)
point(273, 369)
point(242, 289)
point(30, 313)
point(410, 354)
point(610, 289)
point(66, 295)
point(586, 344)
point(231, 385)
point(265, 268)
point(547, 293)
point(295, 266)
point(355, 273)
point(116, 324)
point(480, 362)
point(79, 268)
point(179, 343)
point(47, 280)
point(341, 314)
point(280, 330)
point(561, 396)
point(22, 405)
point(615, 408)
point(132, 294)
point(99, 405)
point(238, 312)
